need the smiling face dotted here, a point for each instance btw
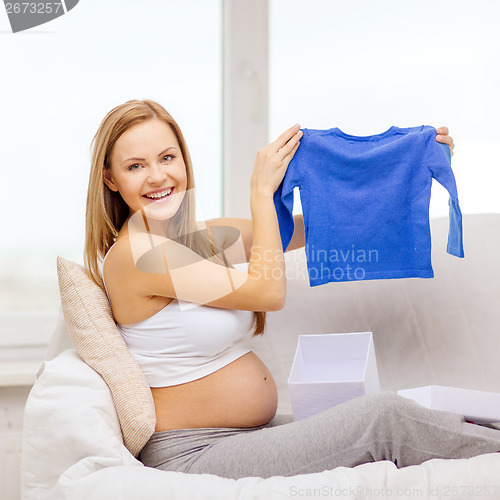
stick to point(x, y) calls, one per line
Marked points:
point(148, 170)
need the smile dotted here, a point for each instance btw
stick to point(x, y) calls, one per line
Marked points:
point(159, 195)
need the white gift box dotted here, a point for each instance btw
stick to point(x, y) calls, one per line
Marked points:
point(477, 406)
point(329, 369)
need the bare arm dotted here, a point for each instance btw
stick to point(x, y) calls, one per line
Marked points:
point(245, 229)
point(298, 237)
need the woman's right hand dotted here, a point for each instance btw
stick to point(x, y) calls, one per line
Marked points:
point(272, 161)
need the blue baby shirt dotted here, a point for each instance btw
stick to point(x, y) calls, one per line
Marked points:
point(365, 203)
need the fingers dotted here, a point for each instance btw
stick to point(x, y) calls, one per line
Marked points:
point(288, 157)
point(291, 144)
point(444, 138)
point(286, 136)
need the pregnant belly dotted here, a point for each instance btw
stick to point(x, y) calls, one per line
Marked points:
point(241, 394)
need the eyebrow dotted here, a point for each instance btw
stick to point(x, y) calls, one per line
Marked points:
point(144, 159)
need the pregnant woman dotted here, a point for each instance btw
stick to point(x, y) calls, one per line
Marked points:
point(187, 294)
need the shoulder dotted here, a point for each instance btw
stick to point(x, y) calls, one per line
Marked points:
point(118, 258)
point(130, 268)
point(134, 256)
point(128, 288)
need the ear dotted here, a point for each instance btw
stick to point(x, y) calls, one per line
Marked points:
point(108, 180)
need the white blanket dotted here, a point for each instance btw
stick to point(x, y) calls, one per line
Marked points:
point(78, 454)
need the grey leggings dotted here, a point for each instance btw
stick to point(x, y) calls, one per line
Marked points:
point(374, 427)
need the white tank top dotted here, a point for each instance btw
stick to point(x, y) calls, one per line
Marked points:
point(176, 346)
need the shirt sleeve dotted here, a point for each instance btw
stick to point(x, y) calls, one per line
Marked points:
point(283, 196)
point(437, 157)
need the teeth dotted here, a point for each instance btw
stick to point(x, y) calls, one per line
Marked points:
point(160, 194)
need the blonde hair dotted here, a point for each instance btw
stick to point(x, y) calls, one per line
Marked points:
point(107, 211)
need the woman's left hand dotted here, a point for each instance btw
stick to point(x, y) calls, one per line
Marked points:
point(445, 138)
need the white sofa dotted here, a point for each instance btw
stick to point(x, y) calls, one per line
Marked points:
point(443, 331)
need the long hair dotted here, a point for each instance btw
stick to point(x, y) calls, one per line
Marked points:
point(107, 211)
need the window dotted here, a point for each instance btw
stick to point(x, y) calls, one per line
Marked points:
point(58, 82)
point(364, 66)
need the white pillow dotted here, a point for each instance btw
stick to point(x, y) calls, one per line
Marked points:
point(72, 448)
point(69, 415)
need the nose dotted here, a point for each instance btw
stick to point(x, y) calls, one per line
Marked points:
point(156, 174)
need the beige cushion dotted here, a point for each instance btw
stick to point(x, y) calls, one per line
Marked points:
point(94, 333)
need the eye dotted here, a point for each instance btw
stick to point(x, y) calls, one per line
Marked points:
point(169, 156)
point(135, 166)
